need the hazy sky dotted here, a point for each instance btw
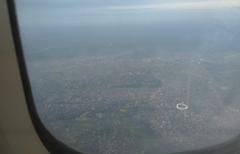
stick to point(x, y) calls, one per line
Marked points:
point(77, 12)
point(133, 4)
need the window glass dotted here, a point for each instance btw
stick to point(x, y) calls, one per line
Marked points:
point(136, 76)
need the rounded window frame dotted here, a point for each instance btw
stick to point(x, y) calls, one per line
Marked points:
point(53, 145)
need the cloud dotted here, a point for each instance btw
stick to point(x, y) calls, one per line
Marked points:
point(183, 5)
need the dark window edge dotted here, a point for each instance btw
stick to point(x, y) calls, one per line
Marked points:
point(53, 145)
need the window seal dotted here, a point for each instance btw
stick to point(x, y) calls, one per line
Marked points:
point(53, 145)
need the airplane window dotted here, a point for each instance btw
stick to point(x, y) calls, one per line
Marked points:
point(134, 77)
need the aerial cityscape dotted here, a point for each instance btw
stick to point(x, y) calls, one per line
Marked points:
point(132, 81)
